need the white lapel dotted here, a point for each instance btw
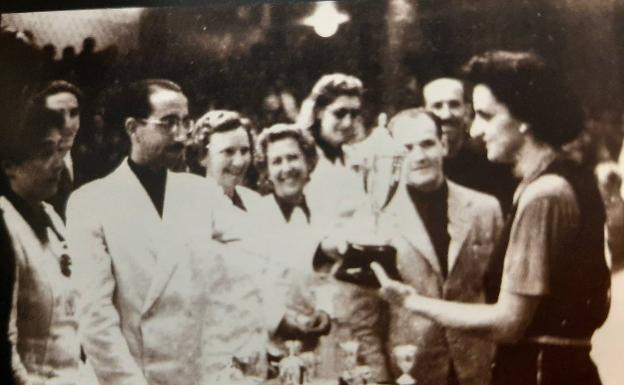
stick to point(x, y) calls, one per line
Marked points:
point(411, 226)
point(169, 231)
point(459, 222)
point(136, 204)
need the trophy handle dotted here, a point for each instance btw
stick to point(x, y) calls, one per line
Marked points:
point(393, 189)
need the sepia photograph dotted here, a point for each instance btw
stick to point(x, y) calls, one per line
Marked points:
point(351, 192)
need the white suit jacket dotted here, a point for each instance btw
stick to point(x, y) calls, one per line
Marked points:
point(141, 276)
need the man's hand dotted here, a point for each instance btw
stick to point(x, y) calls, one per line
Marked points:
point(395, 292)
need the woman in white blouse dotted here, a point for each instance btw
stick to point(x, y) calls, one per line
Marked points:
point(226, 151)
point(43, 328)
point(287, 157)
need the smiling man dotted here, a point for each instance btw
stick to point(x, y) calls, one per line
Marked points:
point(446, 237)
point(465, 163)
point(135, 234)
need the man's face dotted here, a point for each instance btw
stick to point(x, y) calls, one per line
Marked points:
point(340, 119)
point(496, 126)
point(229, 156)
point(425, 151)
point(287, 168)
point(37, 178)
point(159, 140)
point(445, 98)
point(67, 104)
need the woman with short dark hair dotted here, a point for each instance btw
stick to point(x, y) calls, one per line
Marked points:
point(549, 283)
point(43, 328)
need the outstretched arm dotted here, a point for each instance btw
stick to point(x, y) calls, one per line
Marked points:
point(504, 321)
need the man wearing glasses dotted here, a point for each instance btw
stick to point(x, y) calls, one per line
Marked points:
point(135, 235)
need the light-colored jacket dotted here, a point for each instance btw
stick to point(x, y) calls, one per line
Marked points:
point(474, 224)
point(44, 326)
point(144, 278)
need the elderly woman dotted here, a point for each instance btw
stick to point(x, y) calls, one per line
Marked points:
point(286, 158)
point(43, 328)
point(332, 114)
point(226, 151)
point(550, 285)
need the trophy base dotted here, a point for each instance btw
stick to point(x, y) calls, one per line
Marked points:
point(355, 266)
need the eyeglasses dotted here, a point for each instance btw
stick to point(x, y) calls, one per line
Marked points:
point(170, 123)
point(342, 112)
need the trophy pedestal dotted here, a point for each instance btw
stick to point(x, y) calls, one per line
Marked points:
point(355, 265)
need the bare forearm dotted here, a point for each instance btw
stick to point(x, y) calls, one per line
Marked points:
point(482, 320)
point(504, 321)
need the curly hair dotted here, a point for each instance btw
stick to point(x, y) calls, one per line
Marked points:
point(325, 91)
point(279, 132)
point(219, 121)
point(532, 91)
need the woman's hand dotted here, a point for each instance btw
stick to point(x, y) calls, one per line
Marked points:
point(395, 292)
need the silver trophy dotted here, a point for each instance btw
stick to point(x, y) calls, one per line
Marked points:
point(405, 357)
point(292, 367)
point(379, 161)
point(354, 374)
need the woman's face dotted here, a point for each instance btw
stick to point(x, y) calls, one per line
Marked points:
point(494, 123)
point(37, 178)
point(340, 120)
point(287, 168)
point(229, 156)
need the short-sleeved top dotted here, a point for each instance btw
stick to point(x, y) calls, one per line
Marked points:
point(547, 218)
point(555, 251)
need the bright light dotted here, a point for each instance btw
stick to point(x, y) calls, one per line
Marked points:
point(326, 19)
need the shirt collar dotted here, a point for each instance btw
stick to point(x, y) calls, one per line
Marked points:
point(36, 218)
point(287, 208)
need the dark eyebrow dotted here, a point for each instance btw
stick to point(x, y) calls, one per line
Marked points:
point(484, 114)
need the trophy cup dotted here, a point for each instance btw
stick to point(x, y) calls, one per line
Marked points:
point(379, 163)
point(350, 351)
point(404, 357)
point(292, 367)
point(354, 374)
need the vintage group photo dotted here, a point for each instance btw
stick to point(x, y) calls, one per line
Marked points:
point(351, 192)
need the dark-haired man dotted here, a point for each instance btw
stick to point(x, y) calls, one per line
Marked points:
point(465, 162)
point(446, 233)
point(134, 233)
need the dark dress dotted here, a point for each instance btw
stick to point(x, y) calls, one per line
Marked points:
point(553, 248)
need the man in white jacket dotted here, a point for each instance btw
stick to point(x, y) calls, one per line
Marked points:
point(143, 244)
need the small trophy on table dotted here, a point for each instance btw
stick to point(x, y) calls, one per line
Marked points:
point(404, 357)
point(379, 162)
point(354, 374)
point(292, 368)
